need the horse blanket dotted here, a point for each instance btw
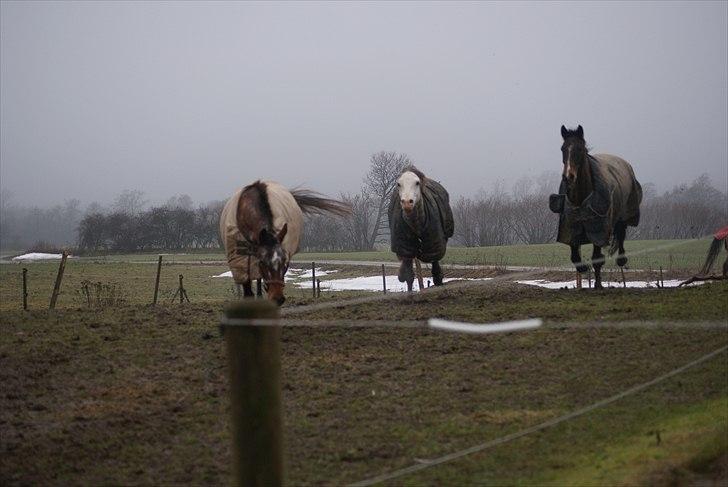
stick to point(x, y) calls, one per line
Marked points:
point(240, 241)
point(616, 197)
point(721, 234)
point(424, 235)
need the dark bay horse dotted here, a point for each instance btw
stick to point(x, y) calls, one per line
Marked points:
point(598, 198)
point(261, 227)
point(420, 223)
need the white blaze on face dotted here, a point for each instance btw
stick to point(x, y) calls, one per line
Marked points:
point(410, 190)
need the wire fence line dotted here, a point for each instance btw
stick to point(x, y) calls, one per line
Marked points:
point(541, 426)
point(423, 324)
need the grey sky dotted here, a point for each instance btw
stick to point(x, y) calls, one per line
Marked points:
point(202, 98)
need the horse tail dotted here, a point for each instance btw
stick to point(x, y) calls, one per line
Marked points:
point(312, 202)
point(712, 255)
point(620, 233)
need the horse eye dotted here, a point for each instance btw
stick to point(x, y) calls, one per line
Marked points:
point(417, 183)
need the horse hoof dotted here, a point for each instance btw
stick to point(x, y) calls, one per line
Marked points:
point(621, 261)
point(598, 285)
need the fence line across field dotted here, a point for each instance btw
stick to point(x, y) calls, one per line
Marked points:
point(397, 324)
point(541, 426)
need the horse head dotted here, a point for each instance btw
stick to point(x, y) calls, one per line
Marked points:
point(574, 153)
point(409, 186)
point(273, 260)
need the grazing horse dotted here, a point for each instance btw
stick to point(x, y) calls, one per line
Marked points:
point(598, 198)
point(261, 227)
point(420, 222)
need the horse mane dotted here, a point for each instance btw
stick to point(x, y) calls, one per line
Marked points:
point(411, 168)
point(254, 199)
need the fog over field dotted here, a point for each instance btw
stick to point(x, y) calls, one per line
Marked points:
point(200, 98)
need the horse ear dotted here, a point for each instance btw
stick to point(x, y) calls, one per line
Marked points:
point(580, 132)
point(564, 132)
point(282, 234)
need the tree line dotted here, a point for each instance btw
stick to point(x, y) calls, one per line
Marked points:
point(497, 216)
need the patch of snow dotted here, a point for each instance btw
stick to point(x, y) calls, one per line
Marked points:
point(585, 284)
point(38, 256)
point(291, 274)
point(225, 274)
point(370, 283)
point(308, 274)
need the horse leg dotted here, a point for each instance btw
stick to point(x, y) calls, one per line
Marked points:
point(248, 289)
point(576, 259)
point(406, 274)
point(597, 263)
point(620, 233)
point(437, 273)
point(259, 288)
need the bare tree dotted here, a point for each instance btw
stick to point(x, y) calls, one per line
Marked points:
point(379, 182)
point(130, 202)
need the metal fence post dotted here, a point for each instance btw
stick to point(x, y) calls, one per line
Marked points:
point(25, 288)
point(156, 282)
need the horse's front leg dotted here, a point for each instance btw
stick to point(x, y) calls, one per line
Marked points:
point(597, 263)
point(406, 274)
point(437, 273)
point(248, 289)
point(576, 259)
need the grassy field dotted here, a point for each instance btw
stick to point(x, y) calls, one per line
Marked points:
point(132, 394)
point(120, 392)
point(648, 254)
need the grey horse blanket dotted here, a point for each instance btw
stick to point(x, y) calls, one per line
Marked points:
point(424, 235)
point(616, 197)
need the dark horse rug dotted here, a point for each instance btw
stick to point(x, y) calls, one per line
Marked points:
point(616, 197)
point(424, 235)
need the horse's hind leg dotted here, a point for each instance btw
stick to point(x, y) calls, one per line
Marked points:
point(437, 273)
point(620, 233)
point(406, 274)
point(597, 263)
point(259, 288)
point(576, 259)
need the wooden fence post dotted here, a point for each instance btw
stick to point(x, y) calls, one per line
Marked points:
point(419, 274)
point(384, 280)
point(156, 282)
point(578, 280)
point(59, 278)
point(25, 288)
point(254, 364)
point(624, 279)
point(318, 288)
point(313, 277)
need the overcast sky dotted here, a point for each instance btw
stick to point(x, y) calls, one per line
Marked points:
point(168, 98)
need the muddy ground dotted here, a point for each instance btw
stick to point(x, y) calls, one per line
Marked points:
point(132, 394)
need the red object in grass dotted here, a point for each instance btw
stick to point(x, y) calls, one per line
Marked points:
point(721, 234)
